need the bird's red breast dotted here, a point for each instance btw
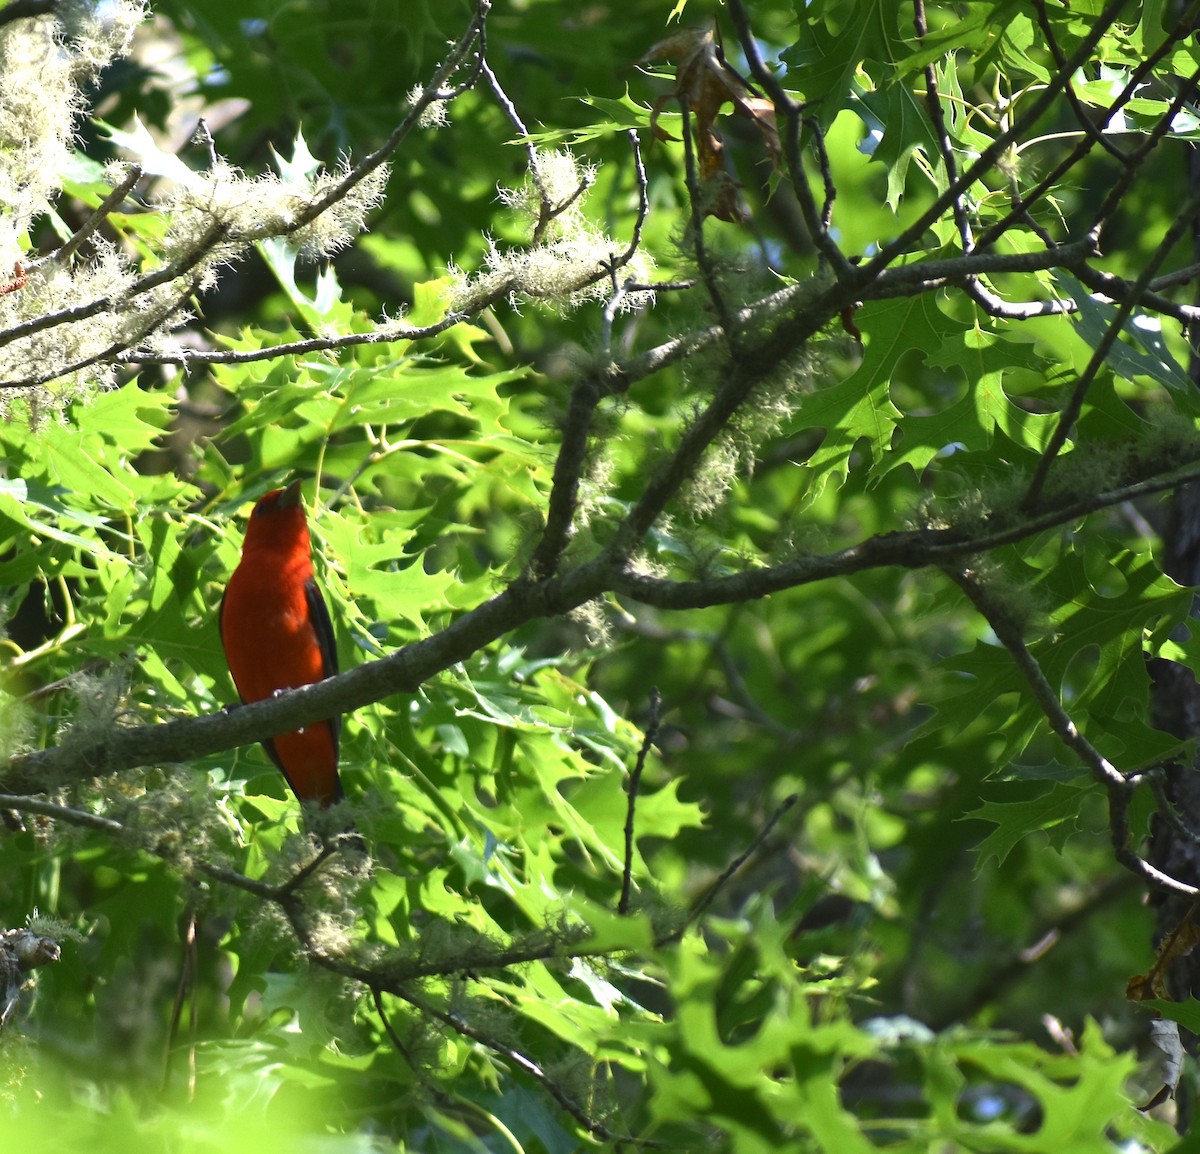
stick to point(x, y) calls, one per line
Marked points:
point(277, 634)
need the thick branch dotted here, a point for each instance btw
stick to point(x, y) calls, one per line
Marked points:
point(908, 549)
point(401, 672)
point(524, 601)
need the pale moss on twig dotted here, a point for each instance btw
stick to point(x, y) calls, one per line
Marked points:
point(591, 618)
point(706, 489)
point(45, 926)
point(566, 260)
point(435, 114)
point(248, 209)
point(43, 60)
point(66, 319)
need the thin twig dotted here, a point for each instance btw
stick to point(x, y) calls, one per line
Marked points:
point(203, 137)
point(23, 803)
point(704, 262)
point(1097, 135)
point(659, 286)
point(393, 334)
point(459, 1024)
point(1117, 190)
point(996, 306)
point(547, 209)
point(643, 195)
point(393, 1037)
point(987, 158)
point(792, 114)
point(700, 906)
point(635, 780)
point(185, 986)
point(1168, 810)
point(1074, 405)
point(933, 103)
point(1117, 785)
point(305, 872)
point(106, 207)
point(1137, 79)
point(434, 93)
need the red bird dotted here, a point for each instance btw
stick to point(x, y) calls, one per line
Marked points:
point(277, 635)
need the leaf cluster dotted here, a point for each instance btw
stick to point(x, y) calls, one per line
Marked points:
point(850, 445)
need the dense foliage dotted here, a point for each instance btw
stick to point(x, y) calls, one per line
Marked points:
point(736, 441)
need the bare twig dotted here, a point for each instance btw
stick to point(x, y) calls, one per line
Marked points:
point(1168, 810)
point(1120, 187)
point(792, 114)
point(635, 780)
point(1074, 405)
point(1137, 79)
point(1096, 135)
point(933, 102)
point(302, 875)
point(457, 1022)
point(701, 905)
point(1117, 785)
point(988, 157)
point(704, 261)
point(643, 208)
point(996, 306)
point(185, 992)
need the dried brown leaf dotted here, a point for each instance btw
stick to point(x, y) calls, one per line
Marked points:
point(705, 80)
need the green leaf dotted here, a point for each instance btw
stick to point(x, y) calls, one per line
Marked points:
point(905, 129)
point(1057, 809)
point(835, 41)
point(1142, 355)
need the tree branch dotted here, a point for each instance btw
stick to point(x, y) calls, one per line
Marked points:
point(401, 672)
point(987, 159)
point(1117, 785)
point(907, 549)
point(523, 601)
point(635, 781)
point(1074, 406)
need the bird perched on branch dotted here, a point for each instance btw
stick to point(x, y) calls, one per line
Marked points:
point(277, 635)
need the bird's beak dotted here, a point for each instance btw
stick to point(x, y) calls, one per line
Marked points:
point(290, 497)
